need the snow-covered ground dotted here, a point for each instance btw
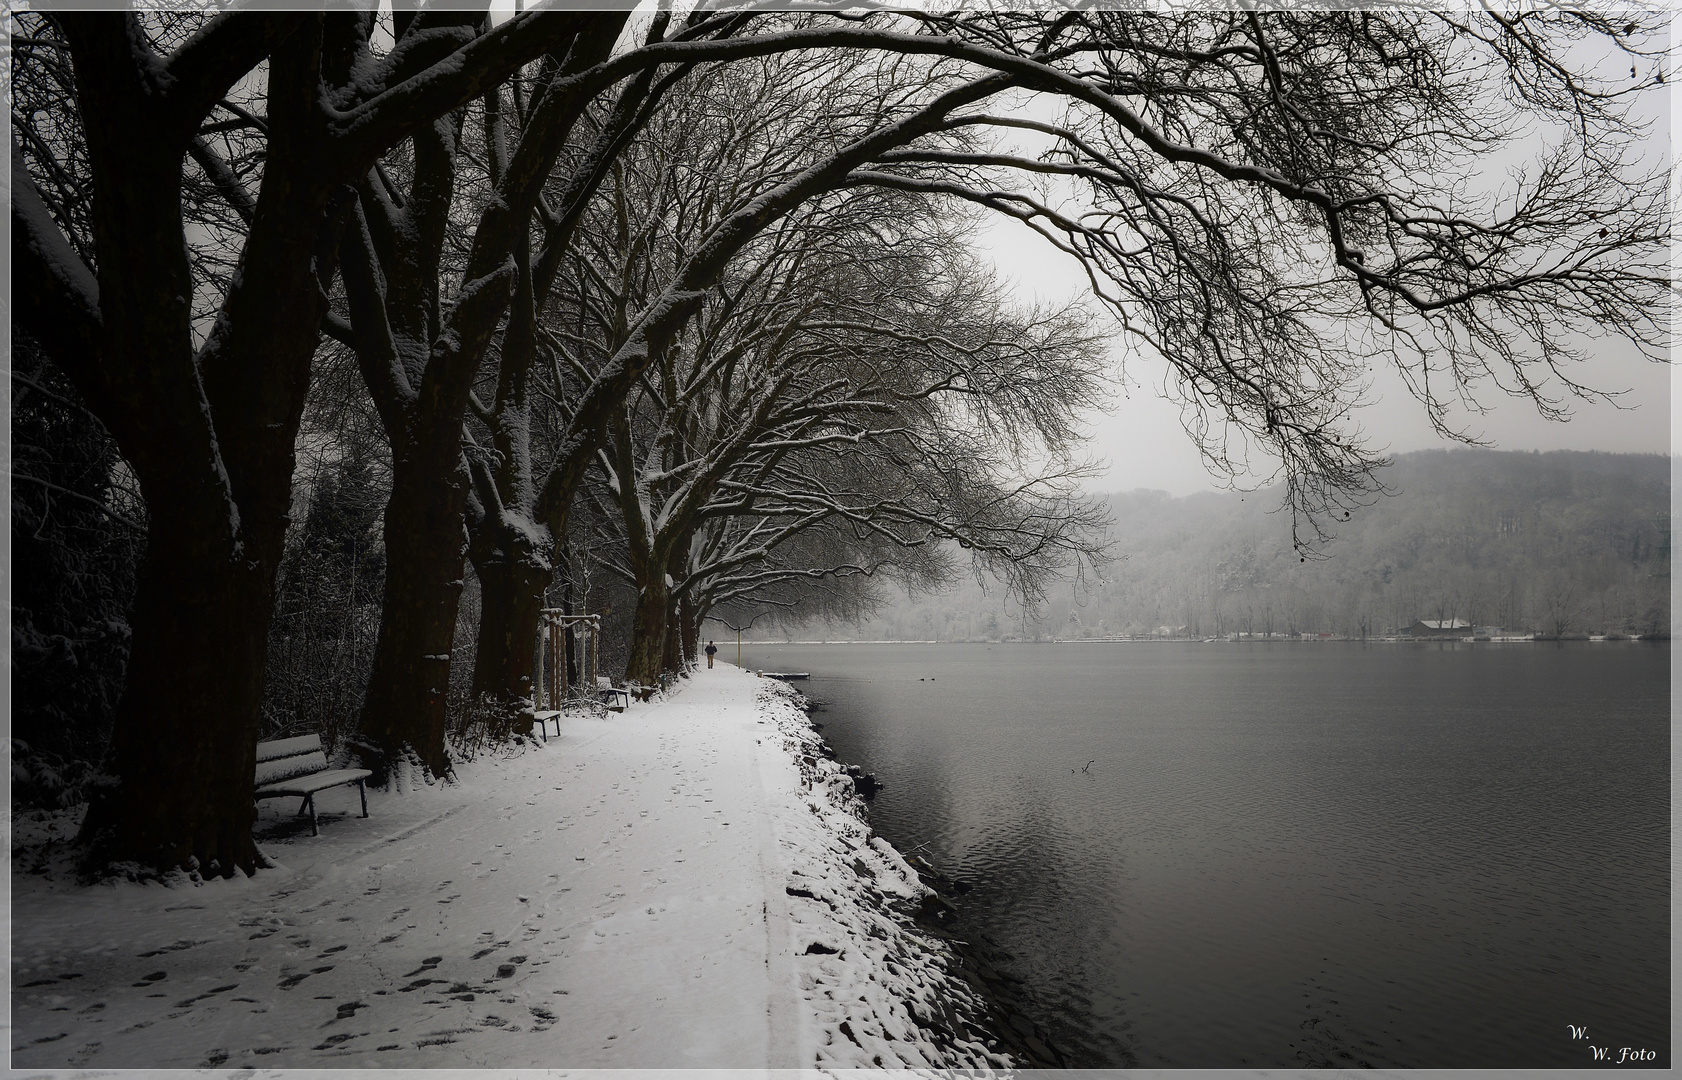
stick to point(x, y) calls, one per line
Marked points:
point(687, 884)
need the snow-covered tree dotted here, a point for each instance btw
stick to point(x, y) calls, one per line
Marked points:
point(881, 389)
point(421, 355)
point(206, 417)
point(1271, 201)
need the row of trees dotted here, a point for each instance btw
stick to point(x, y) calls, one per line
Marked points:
point(698, 282)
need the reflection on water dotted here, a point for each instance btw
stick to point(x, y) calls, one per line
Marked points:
point(1289, 854)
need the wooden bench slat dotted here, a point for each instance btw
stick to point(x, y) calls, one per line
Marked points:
point(298, 767)
point(280, 748)
point(281, 768)
point(309, 785)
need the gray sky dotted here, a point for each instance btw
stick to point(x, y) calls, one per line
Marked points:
point(1143, 444)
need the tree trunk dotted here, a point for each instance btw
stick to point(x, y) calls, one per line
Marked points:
point(570, 636)
point(690, 628)
point(671, 656)
point(178, 773)
point(671, 653)
point(425, 556)
point(514, 573)
point(210, 437)
point(648, 632)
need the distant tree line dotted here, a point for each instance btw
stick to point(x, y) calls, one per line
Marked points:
point(349, 341)
point(1562, 543)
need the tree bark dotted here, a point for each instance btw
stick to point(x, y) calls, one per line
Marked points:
point(570, 636)
point(178, 773)
point(209, 436)
point(671, 655)
point(425, 557)
point(648, 632)
point(513, 574)
point(671, 659)
point(424, 408)
point(690, 628)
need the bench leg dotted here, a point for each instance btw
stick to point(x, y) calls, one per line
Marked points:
point(315, 830)
point(363, 791)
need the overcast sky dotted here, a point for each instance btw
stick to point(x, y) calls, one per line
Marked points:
point(1143, 445)
point(1141, 440)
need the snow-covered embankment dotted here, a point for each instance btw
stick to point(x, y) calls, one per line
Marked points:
point(877, 989)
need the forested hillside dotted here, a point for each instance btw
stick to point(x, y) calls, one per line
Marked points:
point(1556, 543)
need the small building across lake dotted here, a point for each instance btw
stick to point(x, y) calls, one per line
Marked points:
point(1456, 628)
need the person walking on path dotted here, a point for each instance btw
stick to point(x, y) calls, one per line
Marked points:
point(711, 649)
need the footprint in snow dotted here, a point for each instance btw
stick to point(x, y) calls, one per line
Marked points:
point(418, 984)
point(178, 946)
point(213, 990)
point(334, 1040)
point(426, 965)
point(293, 980)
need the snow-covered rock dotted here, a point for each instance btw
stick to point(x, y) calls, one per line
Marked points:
point(882, 991)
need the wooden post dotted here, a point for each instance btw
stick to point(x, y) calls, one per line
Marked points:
point(557, 677)
point(560, 660)
point(595, 653)
point(559, 631)
point(542, 686)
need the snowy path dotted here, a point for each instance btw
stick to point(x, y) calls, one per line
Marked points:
point(624, 896)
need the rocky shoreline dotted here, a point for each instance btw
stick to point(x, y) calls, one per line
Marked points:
point(1001, 992)
point(976, 997)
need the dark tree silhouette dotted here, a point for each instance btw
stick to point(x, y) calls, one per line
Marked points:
point(208, 426)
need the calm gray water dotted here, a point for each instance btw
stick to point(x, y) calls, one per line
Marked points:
point(1284, 854)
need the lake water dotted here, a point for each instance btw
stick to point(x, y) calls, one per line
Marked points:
point(1284, 854)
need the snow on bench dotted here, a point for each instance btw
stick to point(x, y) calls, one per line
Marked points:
point(612, 696)
point(540, 720)
point(299, 767)
point(609, 695)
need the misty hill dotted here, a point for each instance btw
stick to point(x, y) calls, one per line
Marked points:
point(1558, 543)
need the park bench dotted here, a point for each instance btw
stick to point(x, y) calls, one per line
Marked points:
point(612, 696)
point(299, 767)
point(540, 720)
point(609, 695)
